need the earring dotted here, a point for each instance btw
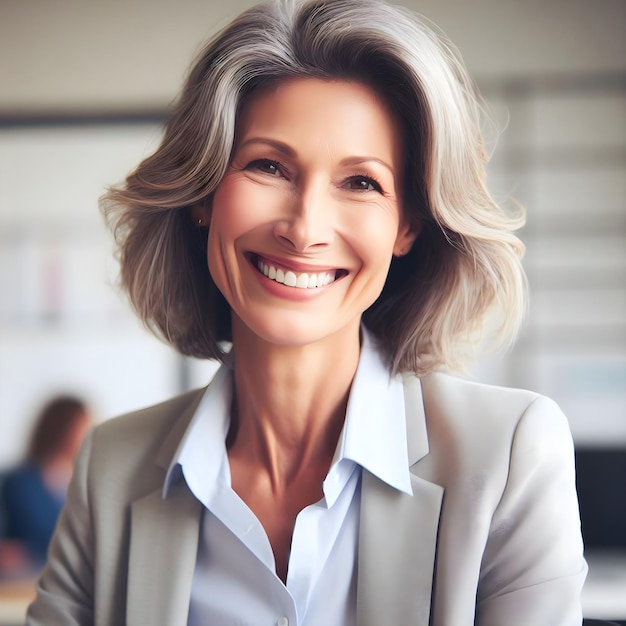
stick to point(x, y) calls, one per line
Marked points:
point(199, 221)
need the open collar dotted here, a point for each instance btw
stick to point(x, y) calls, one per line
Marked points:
point(374, 434)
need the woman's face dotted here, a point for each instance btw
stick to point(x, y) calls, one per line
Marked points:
point(304, 224)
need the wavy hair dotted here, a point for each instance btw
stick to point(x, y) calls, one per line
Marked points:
point(466, 262)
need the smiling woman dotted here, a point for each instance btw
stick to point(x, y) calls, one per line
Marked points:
point(318, 201)
point(303, 203)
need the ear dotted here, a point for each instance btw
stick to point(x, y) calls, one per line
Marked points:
point(407, 234)
point(201, 213)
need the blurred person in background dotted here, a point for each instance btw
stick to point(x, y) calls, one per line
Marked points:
point(32, 494)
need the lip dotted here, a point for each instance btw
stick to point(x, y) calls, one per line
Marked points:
point(293, 266)
point(291, 292)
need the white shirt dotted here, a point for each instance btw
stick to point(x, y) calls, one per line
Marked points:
point(235, 581)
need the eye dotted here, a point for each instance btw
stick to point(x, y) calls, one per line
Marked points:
point(363, 183)
point(267, 166)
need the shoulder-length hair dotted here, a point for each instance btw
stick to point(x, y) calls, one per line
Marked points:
point(466, 260)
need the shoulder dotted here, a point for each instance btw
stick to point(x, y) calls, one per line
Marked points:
point(20, 480)
point(23, 472)
point(148, 423)
point(131, 452)
point(453, 393)
point(473, 426)
point(479, 405)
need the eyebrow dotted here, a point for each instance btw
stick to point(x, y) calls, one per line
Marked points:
point(277, 145)
point(290, 152)
point(359, 160)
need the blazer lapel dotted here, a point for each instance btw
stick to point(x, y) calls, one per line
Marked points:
point(164, 542)
point(163, 548)
point(398, 536)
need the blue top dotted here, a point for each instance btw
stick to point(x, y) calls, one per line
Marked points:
point(29, 509)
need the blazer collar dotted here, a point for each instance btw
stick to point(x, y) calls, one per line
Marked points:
point(174, 437)
point(398, 535)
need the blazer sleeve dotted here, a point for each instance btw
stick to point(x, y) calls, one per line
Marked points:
point(65, 590)
point(533, 566)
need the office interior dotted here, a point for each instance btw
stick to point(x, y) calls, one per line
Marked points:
point(84, 91)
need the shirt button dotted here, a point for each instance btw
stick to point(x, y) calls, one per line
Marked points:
point(282, 621)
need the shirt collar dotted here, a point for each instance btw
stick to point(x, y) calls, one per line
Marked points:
point(374, 433)
point(373, 436)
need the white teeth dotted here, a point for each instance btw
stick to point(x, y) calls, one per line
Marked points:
point(299, 281)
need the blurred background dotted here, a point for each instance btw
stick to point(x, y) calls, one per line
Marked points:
point(84, 89)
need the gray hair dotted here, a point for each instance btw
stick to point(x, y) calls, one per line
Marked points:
point(466, 262)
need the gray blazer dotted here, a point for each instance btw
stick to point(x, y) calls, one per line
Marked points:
point(491, 535)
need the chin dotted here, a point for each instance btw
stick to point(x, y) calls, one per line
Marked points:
point(291, 330)
point(289, 333)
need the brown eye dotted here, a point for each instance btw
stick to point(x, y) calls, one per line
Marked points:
point(363, 183)
point(266, 166)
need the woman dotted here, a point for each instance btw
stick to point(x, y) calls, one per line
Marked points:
point(32, 494)
point(318, 200)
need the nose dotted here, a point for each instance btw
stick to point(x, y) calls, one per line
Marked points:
point(308, 223)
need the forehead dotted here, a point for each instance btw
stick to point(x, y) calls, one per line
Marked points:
point(339, 110)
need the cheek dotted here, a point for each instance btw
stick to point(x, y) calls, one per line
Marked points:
point(233, 205)
point(373, 233)
point(241, 211)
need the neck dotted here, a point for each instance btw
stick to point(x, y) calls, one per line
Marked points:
point(290, 402)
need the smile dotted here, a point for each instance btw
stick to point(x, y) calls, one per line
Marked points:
point(299, 280)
